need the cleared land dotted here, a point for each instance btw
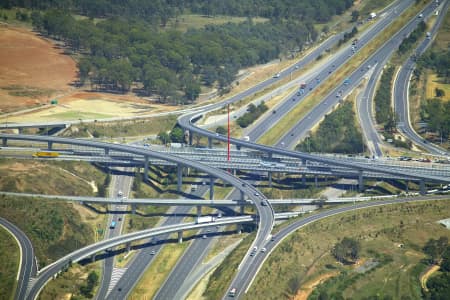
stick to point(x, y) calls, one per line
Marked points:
point(32, 69)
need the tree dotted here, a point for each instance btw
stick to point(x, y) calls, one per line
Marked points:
point(439, 92)
point(355, 16)
point(164, 137)
point(221, 130)
point(346, 250)
point(177, 135)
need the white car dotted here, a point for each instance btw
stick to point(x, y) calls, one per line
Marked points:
point(276, 75)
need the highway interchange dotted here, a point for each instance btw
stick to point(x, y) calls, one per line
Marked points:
point(249, 267)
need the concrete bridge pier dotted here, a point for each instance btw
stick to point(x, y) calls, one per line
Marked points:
point(180, 237)
point(106, 151)
point(49, 145)
point(239, 228)
point(241, 209)
point(179, 177)
point(423, 190)
point(133, 209)
point(146, 162)
point(304, 179)
point(238, 147)
point(360, 181)
point(315, 181)
point(93, 257)
point(242, 196)
point(199, 210)
point(4, 142)
point(190, 138)
point(211, 188)
point(128, 246)
point(269, 174)
point(407, 186)
point(210, 142)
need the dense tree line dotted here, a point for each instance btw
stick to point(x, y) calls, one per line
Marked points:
point(436, 113)
point(160, 11)
point(383, 109)
point(337, 133)
point(125, 48)
point(252, 114)
point(121, 53)
point(409, 41)
point(437, 61)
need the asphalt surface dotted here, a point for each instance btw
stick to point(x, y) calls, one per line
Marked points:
point(122, 184)
point(302, 128)
point(27, 267)
point(401, 89)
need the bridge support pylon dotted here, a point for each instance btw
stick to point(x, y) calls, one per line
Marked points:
point(128, 246)
point(179, 177)
point(4, 142)
point(211, 188)
point(199, 210)
point(423, 190)
point(146, 161)
point(209, 142)
point(180, 237)
point(315, 181)
point(242, 196)
point(304, 179)
point(93, 257)
point(269, 174)
point(49, 145)
point(239, 228)
point(360, 181)
point(106, 151)
point(241, 209)
point(190, 138)
point(133, 209)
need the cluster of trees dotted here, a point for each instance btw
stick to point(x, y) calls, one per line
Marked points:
point(252, 114)
point(176, 135)
point(125, 48)
point(92, 281)
point(409, 41)
point(348, 35)
point(438, 252)
point(437, 61)
point(436, 113)
point(337, 133)
point(383, 109)
point(346, 250)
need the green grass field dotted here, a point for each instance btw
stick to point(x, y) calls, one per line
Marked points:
point(9, 256)
point(306, 254)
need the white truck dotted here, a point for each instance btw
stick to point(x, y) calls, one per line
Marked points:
point(205, 219)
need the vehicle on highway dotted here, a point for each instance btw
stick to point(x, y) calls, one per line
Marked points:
point(263, 203)
point(232, 292)
point(263, 250)
point(246, 138)
point(204, 236)
point(276, 75)
point(112, 225)
point(120, 193)
point(153, 252)
point(347, 81)
point(205, 219)
point(46, 154)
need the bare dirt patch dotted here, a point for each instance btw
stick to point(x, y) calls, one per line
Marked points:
point(308, 287)
point(426, 275)
point(32, 69)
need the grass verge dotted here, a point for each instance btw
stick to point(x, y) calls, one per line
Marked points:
point(9, 256)
point(158, 271)
point(392, 236)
